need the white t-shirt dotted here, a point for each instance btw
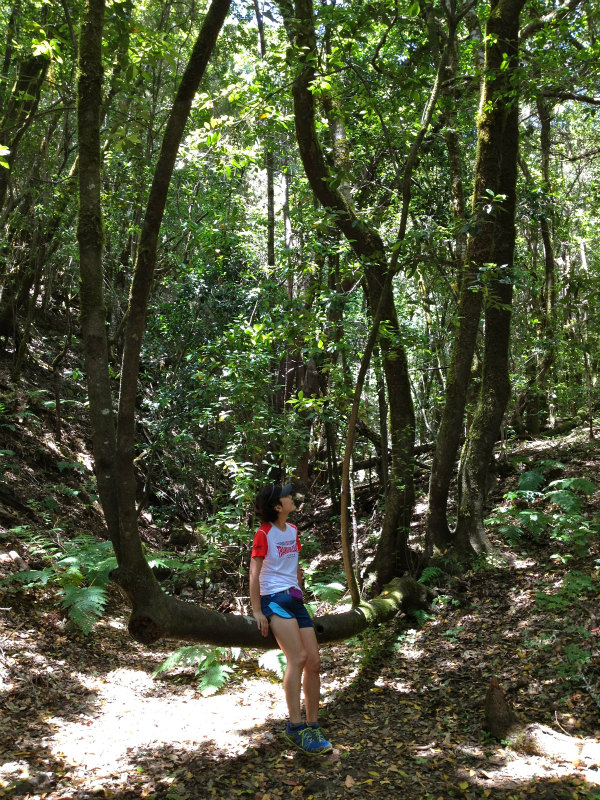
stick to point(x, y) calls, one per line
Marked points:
point(280, 552)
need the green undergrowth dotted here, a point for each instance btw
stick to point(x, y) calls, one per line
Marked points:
point(555, 513)
point(553, 510)
point(538, 510)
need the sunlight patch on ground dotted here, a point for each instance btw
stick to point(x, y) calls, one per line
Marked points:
point(135, 715)
point(401, 687)
point(518, 769)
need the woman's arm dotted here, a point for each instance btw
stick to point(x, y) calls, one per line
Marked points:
point(255, 568)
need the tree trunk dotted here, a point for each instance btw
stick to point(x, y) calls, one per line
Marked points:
point(90, 241)
point(134, 574)
point(20, 109)
point(161, 616)
point(368, 246)
point(538, 393)
point(113, 454)
point(499, 123)
point(492, 220)
point(268, 151)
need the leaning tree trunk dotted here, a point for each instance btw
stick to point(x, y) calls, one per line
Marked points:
point(392, 554)
point(368, 246)
point(501, 125)
point(468, 313)
point(133, 574)
point(114, 450)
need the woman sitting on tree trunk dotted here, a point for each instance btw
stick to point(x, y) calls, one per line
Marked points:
point(276, 597)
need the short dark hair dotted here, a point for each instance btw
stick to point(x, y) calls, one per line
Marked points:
point(268, 498)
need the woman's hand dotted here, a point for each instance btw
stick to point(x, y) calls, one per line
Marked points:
point(262, 622)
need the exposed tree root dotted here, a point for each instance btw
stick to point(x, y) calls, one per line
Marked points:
point(534, 739)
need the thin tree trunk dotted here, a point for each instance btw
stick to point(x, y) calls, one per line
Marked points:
point(90, 241)
point(549, 293)
point(269, 155)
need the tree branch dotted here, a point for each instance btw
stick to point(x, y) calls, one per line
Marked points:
point(553, 16)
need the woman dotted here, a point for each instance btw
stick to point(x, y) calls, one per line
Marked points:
point(276, 597)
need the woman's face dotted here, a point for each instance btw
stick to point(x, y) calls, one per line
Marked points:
point(286, 504)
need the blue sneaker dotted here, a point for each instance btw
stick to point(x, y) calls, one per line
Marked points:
point(309, 740)
point(326, 747)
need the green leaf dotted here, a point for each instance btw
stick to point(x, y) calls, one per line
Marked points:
point(565, 500)
point(575, 485)
point(531, 481)
point(85, 605)
point(214, 678)
point(63, 465)
point(328, 592)
point(31, 577)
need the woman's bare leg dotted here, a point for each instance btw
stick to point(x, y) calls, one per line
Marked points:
point(287, 633)
point(312, 674)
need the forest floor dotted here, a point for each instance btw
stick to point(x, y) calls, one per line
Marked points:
point(83, 717)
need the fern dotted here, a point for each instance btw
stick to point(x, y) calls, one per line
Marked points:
point(565, 500)
point(531, 481)
point(214, 676)
point(31, 577)
point(574, 485)
point(80, 568)
point(430, 575)
point(85, 605)
point(209, 670)
point(328, 592)
point(419, 615)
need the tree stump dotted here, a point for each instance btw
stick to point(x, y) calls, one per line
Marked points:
point(534, 739)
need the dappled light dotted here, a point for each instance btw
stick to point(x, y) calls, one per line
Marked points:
point(331, 261)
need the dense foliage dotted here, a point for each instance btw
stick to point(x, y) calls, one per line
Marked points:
point(258, 317)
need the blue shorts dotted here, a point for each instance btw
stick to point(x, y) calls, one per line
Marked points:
point(284, 605)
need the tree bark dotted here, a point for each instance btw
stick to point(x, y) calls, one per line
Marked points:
point(114, 450)
point(369, 248)
point(90, 241)
point(531, 738)
point(539, 389)
point(491, 220)
point(268, 151)
point(134, 574)
point(499, 123)
point(161, 616)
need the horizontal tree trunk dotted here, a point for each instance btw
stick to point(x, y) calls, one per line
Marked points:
point(161, 616)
